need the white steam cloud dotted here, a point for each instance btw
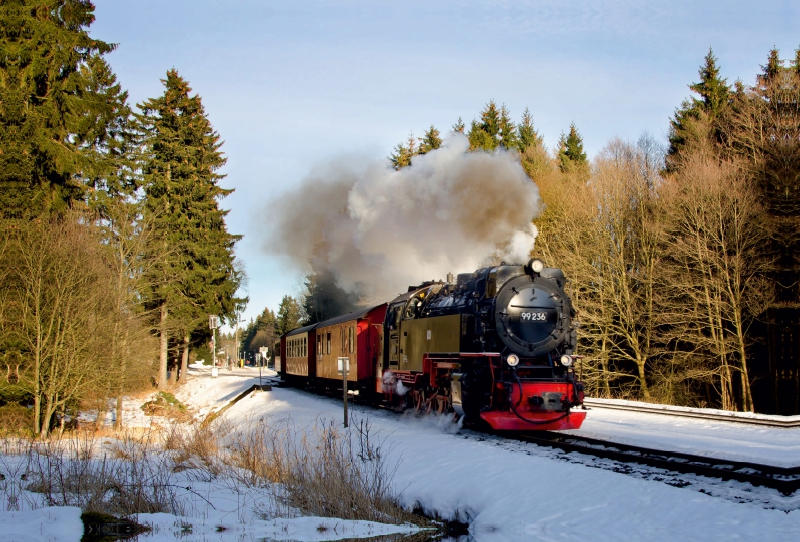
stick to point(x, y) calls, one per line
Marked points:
point(377, 230)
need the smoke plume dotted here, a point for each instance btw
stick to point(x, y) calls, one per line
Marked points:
point(377, 230)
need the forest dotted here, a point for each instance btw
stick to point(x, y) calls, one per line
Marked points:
point(681, 254)
point(114, 249)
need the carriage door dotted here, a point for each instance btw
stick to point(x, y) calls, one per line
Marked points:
point(393, 329)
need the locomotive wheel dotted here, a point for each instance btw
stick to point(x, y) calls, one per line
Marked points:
point(417, 400)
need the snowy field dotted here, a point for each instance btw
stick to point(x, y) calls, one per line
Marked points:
point(725, 440)
point(506, 490)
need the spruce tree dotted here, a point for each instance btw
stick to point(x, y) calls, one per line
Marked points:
point(404, 152)
point(692, 121)
point(713, 90)
point(430, 141)
point(484, 134)
point(325, 299)
point(772, 68)
point(459, 126)
point(47, 105)
point(289, 316)
point(527, 136)
point(195, 274)
point(507, 130)
point(570, 151)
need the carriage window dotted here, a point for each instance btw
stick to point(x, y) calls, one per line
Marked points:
point(328, 337)
point(352, 339)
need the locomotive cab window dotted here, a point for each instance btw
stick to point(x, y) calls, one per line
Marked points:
point(394, 316)
point(413, 307)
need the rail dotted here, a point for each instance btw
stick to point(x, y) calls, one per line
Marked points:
point(784, 480)
point(746, 418)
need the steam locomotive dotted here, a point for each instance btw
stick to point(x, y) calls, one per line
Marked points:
point(496, 346)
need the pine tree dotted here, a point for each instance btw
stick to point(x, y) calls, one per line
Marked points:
point(772, 68)
point(325, 299)
point(289, 315)
point(261, 332)
point(196, 275)
point(46, 104)
point(484, 134)
point(570, 151)
point(692, 121)
point(108, 138)
point(430, 141)
point(459, 126)
point(507, 130)
point(403, 153)
point(527, 136)
point(713, 90)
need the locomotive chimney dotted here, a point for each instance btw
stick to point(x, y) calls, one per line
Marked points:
point(450, 278)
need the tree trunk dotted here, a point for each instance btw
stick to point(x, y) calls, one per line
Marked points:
point(162, 361)
point(46, 415)
point(102, 409)
point(185, 359)
point(118, 420)
point(123, 371)
point(642, 379)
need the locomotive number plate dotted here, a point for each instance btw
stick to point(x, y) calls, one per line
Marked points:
point(533, 316)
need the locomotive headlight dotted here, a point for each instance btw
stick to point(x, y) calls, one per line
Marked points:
point(537, 265)
point(512, 360)
point(566, 360)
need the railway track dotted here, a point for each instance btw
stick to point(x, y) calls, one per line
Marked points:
point(784, 480)
point(744, 418)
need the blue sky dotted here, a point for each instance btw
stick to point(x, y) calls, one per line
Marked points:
point(291, 85)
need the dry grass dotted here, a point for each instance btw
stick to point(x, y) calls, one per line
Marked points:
point(133, 477)
point(323, 470)
point(326, 471)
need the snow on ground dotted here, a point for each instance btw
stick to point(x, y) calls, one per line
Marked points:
point(725, 440)
point(507, 494)
point(43, 524)
point(505, 490)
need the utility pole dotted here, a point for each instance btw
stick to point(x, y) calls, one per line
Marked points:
point(213, 323)
point(238, 316)
point(344, 364)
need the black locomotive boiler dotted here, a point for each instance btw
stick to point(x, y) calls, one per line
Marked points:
point(496, 346)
